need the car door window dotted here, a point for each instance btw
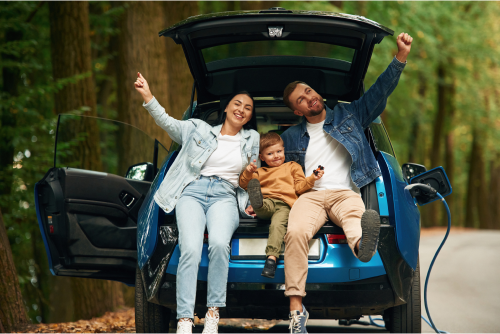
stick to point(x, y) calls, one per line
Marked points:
point(102, 145)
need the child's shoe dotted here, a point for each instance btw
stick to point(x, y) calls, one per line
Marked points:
point(255, 194)
point(269, 268)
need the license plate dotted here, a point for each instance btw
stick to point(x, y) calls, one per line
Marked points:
point(255, 249)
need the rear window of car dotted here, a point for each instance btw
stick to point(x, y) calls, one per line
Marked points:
point(277, 48)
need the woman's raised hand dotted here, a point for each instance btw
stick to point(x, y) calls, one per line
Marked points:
point(251, 168)
point(141, 85)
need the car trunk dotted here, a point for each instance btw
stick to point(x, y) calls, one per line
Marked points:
point(263, 51)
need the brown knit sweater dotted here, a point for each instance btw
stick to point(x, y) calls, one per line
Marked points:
point(285, 182)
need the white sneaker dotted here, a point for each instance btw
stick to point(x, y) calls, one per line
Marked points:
point(211, 321)
point(185, 326)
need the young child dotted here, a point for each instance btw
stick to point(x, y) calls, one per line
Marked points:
point(273, 190)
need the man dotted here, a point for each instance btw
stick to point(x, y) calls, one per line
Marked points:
point(334, 139)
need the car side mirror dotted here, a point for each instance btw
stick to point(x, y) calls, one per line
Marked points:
point(423, 185)
point(411, 170)
point(143, 171)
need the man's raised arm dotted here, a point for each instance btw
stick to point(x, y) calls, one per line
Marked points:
point(373, 102)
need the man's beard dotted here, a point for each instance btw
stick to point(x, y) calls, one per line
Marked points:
point(317, 112)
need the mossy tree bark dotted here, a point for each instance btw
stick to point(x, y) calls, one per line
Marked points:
point(71, 59)
point(12, 310)
point(180, 80)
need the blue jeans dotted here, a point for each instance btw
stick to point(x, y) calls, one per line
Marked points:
point(206, 202)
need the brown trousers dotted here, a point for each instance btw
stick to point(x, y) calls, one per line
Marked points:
point(309, 213)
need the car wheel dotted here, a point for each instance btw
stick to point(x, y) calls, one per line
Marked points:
point(149, 317)
point(406, 318)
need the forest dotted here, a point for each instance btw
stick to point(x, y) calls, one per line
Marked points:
point(82, 58)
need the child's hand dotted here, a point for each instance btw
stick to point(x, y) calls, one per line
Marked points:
point(318, 174)
point(249, 210)
point(252, 167)
point(141, 85)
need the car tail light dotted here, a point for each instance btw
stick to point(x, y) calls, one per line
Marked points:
point(205, 238)
point(336, 238)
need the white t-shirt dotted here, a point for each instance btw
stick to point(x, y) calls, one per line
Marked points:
point(225, 161)
point(325, 151)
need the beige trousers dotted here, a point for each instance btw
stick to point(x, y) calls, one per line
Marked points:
point(309, 213)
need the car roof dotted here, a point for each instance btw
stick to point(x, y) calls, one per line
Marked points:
point(268, 75)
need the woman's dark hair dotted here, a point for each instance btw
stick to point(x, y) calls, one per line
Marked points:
point(251, 124)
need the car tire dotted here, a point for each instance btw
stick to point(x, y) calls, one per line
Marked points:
point(149, 317)
point(406, 318)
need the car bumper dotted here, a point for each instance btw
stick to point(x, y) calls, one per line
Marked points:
point(267, 301)
point(336, 264)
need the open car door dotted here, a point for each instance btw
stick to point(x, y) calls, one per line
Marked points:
point(88, 203)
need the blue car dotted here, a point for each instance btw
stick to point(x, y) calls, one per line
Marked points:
point(98, 218)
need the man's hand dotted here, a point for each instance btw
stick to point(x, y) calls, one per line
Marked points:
point(249, 211)
point(252, 167)
point(404, 46)
point(319, 174)
point(141, 85)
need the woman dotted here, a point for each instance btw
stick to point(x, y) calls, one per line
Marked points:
point(202, 184)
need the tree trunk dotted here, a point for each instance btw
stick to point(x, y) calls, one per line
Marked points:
point(93, 297)
point(474, 169)
point(141, 50)
point(483, 207)
point(416, 145)
point(437, 136)
point(495, 191)
point(12, 311)
point(450, 147)
point(439, 122)
point(362, 10)
point(71, 56)
point(338, 4)
point(482, 192)
point(179, 76)
point(70, 50)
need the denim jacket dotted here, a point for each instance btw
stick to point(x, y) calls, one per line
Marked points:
point(198, 140)
point(346, 123)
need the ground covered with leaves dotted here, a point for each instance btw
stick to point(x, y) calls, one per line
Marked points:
point(123, 321)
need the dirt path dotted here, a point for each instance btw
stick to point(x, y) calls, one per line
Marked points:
point(122, 321)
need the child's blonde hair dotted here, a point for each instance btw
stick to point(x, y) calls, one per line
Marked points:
point(270, 139)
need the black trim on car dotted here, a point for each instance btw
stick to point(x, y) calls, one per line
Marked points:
point(267, 300)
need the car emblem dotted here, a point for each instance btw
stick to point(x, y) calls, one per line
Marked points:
point(275, 31)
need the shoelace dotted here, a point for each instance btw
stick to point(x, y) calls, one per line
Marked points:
point(295, 323)
point(211, 321)
point(184, 326)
